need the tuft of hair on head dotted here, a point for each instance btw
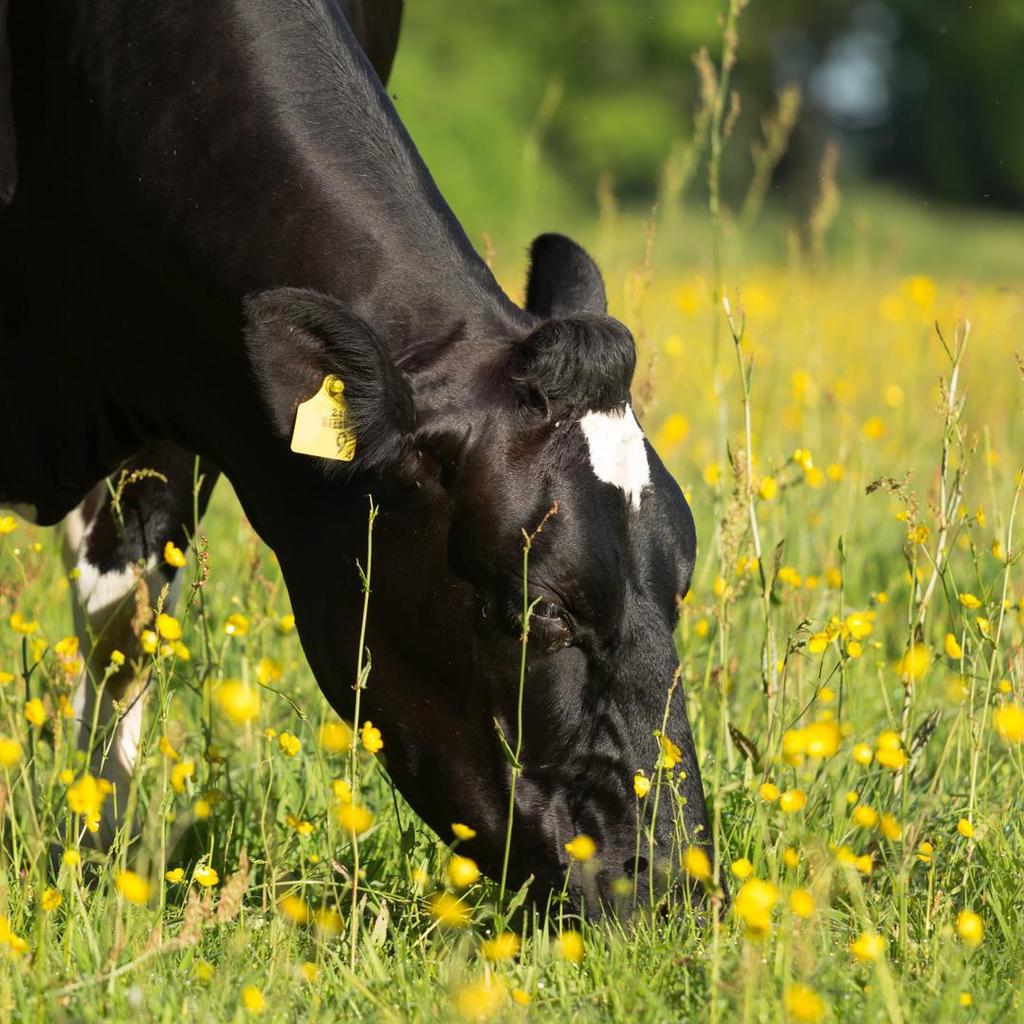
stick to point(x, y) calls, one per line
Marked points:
point(578, 364)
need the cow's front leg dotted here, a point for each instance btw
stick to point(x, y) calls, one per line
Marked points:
point(116, 542)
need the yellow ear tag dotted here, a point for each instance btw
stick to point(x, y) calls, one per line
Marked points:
point(322, 426)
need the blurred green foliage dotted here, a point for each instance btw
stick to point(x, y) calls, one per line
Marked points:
point(521, 107)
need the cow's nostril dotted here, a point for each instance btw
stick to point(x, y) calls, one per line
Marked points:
point(635, 866)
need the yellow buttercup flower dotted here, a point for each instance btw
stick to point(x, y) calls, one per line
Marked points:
point(8, 524)
point(801, 903)
point(818, 643)
point(353, 818)
point(10, 752)
point(463, 832)
point(671, 755)
point(35, 712)
point(742, 868)
point(788, 575)
point(133, 887)
point(268, 671)
point(173, 555)
point(970, 928)
point(571, 946)
point(206, 876)
point(768, 792)
point(482, 999)
point(965, 828)
point(175, 876)
point(914, 663)
point(918, 534)
point(641, 785)
point(450, 910)
point(890, 828)
point(288, 744)
point(582, 848)
point(697, 864)
point(953, 648)
point(86, 796)
point(252, 999)
point(238, 700)
point(371, 738)
point(13, 943)
point(293, 908)
point(754, 903)
point(502, 947)
point(866, 817)
point(237, 625)
point(868, 946)
point(1008, 722)
point(299, 825)
point(970, 601)
point(792, 800)
point(336, 737)
point(168, 627)
point(889, 750)
point(50, 900)
point(182, 771)
point(462, 872)
point(21, 625)
point(803, 1004)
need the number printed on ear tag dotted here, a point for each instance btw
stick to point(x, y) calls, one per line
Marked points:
point(322, 425)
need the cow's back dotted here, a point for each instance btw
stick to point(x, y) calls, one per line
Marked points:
point(86, 277)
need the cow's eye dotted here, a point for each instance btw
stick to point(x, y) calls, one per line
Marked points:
point(552, 624)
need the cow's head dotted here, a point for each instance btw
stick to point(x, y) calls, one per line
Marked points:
point(466, 448)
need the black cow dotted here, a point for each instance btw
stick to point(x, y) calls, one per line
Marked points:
point(211, 206)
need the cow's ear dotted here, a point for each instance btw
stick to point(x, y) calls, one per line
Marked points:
point(296, 338)
point(8, 142)
point(563, 279)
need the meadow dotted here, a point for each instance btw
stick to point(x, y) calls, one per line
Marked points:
point(846, 432)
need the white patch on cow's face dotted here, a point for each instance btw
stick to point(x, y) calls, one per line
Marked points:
point(618, 454)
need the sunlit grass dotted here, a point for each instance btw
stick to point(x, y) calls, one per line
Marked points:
point(855, 694)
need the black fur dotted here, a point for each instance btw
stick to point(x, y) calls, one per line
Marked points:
point(8, 142)
point(563, 279)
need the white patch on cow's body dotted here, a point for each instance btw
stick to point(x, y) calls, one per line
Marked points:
point(75, 526)
point(618, 454)
point(99, 591)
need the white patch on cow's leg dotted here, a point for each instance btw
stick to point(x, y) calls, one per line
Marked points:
point(101, 592)
point(105, 607)
point(113, 757)
point(618, 453)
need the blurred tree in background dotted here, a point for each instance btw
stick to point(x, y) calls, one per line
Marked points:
point(525, 104)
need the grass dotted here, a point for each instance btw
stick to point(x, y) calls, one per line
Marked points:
point(822, 669)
